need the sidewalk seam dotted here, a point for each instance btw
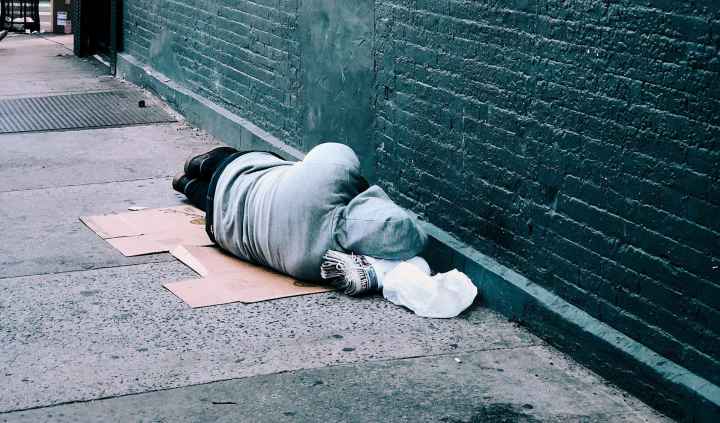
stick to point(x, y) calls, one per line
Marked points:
point(388, 360)
point(87, 184)
point(3, 278)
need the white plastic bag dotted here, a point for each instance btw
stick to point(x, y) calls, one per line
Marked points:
point(383, 267)
point(444, 295)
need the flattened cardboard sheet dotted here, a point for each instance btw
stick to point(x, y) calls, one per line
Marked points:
point(150, 231)
point(227, 279)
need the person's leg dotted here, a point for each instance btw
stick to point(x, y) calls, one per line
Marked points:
point(196, 190)
point(196, 185)
point(197, 193)
point(203, 166)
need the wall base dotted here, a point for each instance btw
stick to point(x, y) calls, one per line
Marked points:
point(657, 381)
point(215, 119)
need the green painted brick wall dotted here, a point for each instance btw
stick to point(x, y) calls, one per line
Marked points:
point(300, 70)
point(577, 142)
point(243, 55)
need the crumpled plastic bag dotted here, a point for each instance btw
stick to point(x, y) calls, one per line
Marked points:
point(383, 267)
point(444, 295)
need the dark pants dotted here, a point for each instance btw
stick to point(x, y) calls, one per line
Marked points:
point(198, 191)
point(201, 190)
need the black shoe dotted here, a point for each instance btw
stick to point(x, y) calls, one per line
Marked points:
point(204, 165)
point(180, 182)
point(3, 34)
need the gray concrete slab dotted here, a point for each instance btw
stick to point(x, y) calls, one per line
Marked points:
point(31, 85)
point(51, 159)
point(40, 230)
point(48, 180)
point(85, 335)
point(530, 384)
point(33, 65)
point(52, 51)
point(67, 40)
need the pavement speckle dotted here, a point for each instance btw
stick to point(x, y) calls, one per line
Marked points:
point(58, 334)
point(410, 389)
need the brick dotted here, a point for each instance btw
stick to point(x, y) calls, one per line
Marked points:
point(239, 54)
point(590, 132)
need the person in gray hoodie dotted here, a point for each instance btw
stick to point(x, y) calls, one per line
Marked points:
point(287, 215)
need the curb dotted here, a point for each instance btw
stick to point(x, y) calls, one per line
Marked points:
point(654, 379)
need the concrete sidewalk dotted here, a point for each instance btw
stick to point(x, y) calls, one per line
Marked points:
point(89, 335)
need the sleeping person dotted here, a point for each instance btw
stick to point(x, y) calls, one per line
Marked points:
point(310, 219)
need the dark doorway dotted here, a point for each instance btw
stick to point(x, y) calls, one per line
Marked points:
point(99, 29)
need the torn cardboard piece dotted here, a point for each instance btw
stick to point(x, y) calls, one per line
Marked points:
point(181, 231)
point(227, 279)
point(151, 231)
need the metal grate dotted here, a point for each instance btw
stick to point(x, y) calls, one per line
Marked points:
point(77, 111)
point(20, 15)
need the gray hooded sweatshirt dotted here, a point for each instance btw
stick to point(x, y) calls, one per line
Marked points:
point(287, 215)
